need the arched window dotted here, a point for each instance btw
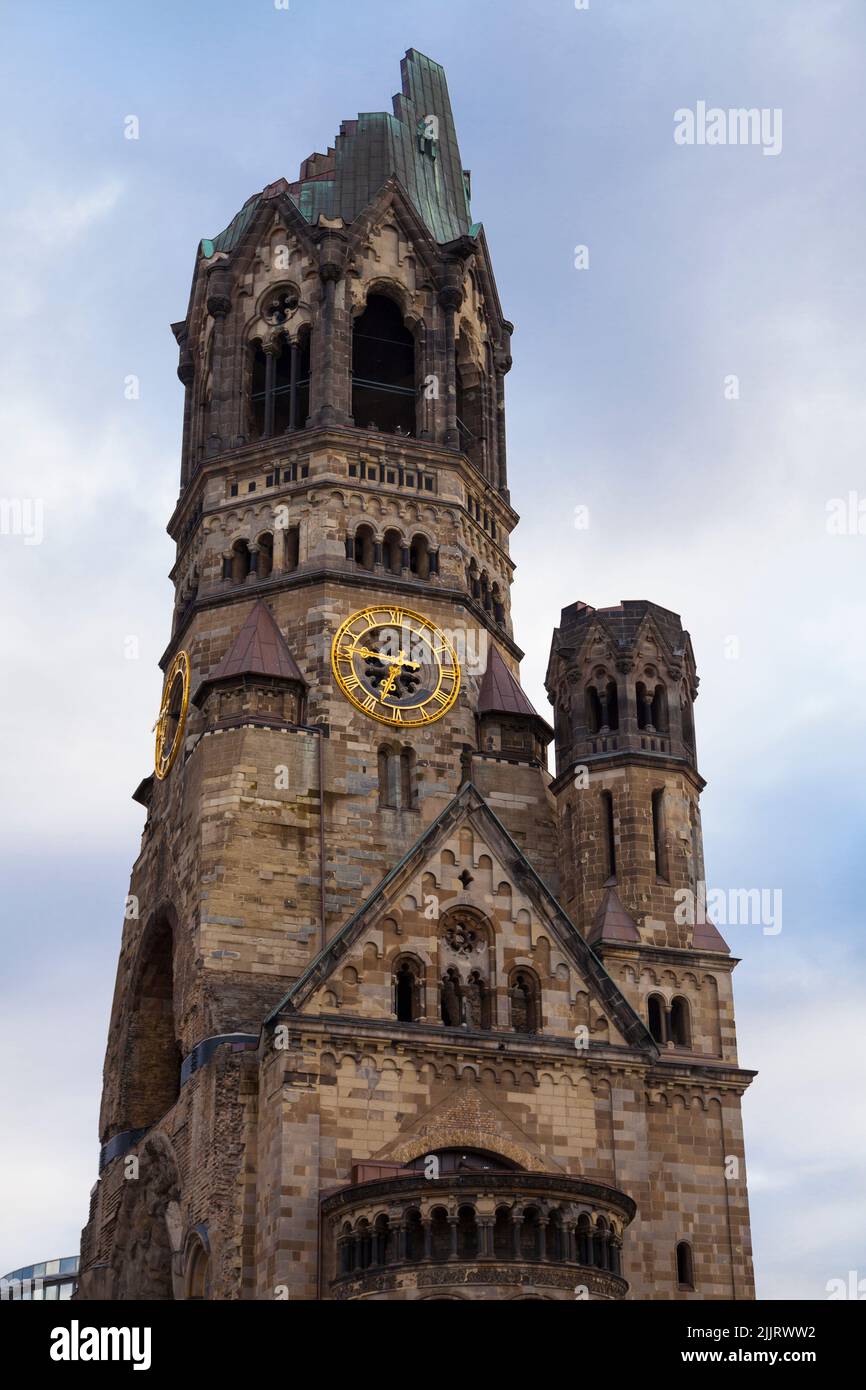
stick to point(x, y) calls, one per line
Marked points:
point(364, 547)
point(266, 555)
point(681, 1031)
point(419, 557)
point(383, 369)
point(498, 605)
point(407, 990)
point(240, 562)
point(151, 1068)
point(440, 1234)
point(280, 385)
point(464, 1161)
point(407, 778)
point(688, 724)
point(593, 710)
point(198, 1272)
point(470, 386)
point(467, 1234)
point(503, 1236)
point(609, 832)
point(293, 547)
point(476, 1001)
point(472, 579)
point(486, 600)
point(585, 1253)
point(525, 997)
point(655, 1006)
point(659, 709)
point(685, 1266)
point(659, 844)
point(392, 552)
point(530, 1235)
point(451, 999)
point(414, 1236)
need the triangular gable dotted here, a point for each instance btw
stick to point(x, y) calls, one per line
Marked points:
point(469, 807)
point(466, 1117)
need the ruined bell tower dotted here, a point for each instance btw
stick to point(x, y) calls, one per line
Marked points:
point(398, 1013)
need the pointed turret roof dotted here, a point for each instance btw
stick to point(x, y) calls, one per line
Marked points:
point(612, 924)
point(258, 650)
point(707, 937)
point(501, 694)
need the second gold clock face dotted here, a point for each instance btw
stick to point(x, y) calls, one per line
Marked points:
point(172, 715)
point(396, 666)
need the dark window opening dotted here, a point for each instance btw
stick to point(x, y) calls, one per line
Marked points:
point(151, 1073)
point(364, 547)
point(383, 369)
point(659, 846)
point(419, 557)
point(240, 562)
point(656, 1018)
point(680, 1024)
point(685, 1266)
point(406, 993)
point(266, 555)
point(280, 387)
point(609, 832)
point(392, 552)
point(525, 1004)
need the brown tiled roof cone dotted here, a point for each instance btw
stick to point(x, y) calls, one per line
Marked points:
point(500, 693)
point(612, 922)
point(258, 650)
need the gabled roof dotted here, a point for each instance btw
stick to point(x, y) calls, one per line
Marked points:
point(258, 650)
point(469, 805)
point(500, 693)
point(707, 937)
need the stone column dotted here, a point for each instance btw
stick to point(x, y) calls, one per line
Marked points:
point(502, 365)
point(330, 402)
point(450, 298)
point(219, 306)
point(516, 1223)
point(271, 349)
point(452, 1222)
point(279, 549)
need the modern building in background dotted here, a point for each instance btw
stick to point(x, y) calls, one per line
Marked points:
point(399, 1013)
point(51, 1280)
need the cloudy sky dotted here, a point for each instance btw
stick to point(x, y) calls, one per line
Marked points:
point(705, 263)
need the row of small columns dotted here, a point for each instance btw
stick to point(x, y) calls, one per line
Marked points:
point(588, 1246)
point(405, 556)
point(282, 559)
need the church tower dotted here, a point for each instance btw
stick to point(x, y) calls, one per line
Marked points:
point(398, 1014)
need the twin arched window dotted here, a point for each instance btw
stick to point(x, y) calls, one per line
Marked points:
point(670, 1024)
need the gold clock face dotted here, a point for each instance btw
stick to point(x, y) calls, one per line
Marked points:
point(396, 666)
point(172, 714)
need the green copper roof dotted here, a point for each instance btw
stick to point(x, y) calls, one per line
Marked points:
point(422, 153)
